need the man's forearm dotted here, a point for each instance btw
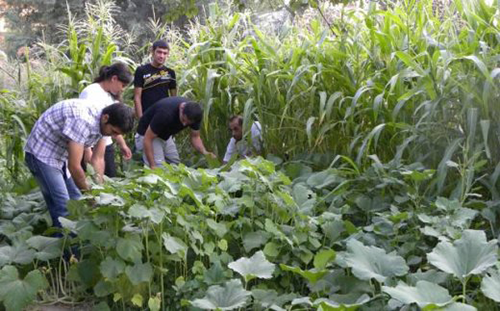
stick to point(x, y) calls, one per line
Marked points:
point(138, 108)
point(98, 165)
point(78, 176)
point(120, 141)
point(197, 144)
point(149, 152)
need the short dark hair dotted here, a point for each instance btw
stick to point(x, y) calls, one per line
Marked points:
point(193, 111)
point(236, 117)
point(121, 116)
point(160, 44)
point(117, 69)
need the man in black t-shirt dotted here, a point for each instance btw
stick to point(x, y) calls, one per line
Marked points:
point(164, 119)
point(154, 81)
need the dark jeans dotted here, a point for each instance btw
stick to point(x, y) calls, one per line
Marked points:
point(109, 162)
point(57, 188)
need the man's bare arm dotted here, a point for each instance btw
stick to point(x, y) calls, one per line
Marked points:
point(75, 155)
point(138, 102)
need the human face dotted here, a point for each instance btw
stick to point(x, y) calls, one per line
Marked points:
point(116, 86)
point(108, 129)
point(236, 129)
point(160, 55)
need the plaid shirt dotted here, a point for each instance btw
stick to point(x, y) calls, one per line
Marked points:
point(69, 120)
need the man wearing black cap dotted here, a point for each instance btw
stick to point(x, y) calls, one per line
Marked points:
point(154, 81)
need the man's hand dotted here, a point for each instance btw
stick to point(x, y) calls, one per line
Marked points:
point(210, 154)
point(127, 154)
point(125, 150)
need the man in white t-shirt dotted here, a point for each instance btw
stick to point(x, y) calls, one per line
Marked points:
point(237, 145)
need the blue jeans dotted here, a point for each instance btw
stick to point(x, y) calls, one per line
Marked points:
point(57, 188)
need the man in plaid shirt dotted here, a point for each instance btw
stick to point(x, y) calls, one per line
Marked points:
point(55, 146)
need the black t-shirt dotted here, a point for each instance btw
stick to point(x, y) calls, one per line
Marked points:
point(163, 118)
point(155, 83)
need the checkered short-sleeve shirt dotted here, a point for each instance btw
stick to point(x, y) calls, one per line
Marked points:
point(72, 119)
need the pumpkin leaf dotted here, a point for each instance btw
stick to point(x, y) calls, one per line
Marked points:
point(256, 266)
point(369, 262)
point(471, 254)
point(228, 297)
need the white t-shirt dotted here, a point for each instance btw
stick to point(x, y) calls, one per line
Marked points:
point(98, 97)
point(241, 146)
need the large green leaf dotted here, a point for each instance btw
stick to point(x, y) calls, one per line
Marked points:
point(491, 286)
point(47, 247)
point(369, 262)
point(130, 248)
point(15, 293)
point(228, 297)
point(330, 305)
point(323, 258)
point(269, 299)
point(471, 254)
point(255, 239)
point(110, 199)
point(256, 266)
point(140, 211)
point(174, 245)
point(219, 228)
point(112, 268)
point(20, 254)
point(312, 275)
point(424, 294)
point(140, 272)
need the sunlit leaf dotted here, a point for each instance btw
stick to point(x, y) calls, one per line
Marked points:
point(139, 211)
point(330, 305)
point(369, 262)
point(173, 244)
point(312, 275)
point(425, 293)
point(256, 266)
point(137, 300)
point(490, 286)
point(228, 297)
point(324, 257)
point(471, 254)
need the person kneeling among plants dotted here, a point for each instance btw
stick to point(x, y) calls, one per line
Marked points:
point(239, 146)
point(55, 147)
point(163, 120)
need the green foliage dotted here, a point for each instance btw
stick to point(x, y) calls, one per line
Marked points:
point(228, 297)
point(380, 126)
point(369, 262)
point(18, 293)
point(490, 286)
point(471, 254)
point(256, 266)
point(423, 294)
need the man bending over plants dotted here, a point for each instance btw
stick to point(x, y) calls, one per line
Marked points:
point(237, 145)
point(55, 146)
point(164, 119)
